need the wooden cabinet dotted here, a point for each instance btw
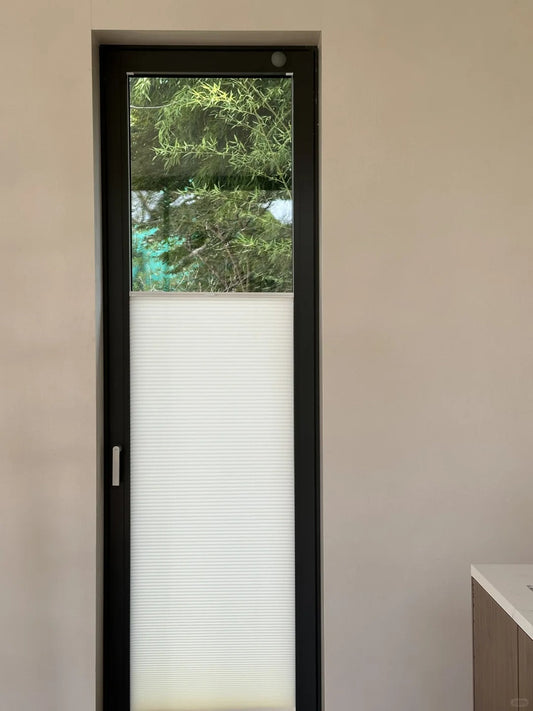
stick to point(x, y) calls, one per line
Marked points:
point(525, 669)
point(503, 657)
point(495, 654)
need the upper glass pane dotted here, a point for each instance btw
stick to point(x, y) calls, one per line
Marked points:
point(211, 184)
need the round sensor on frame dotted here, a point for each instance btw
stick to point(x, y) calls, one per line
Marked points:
point(279, 59)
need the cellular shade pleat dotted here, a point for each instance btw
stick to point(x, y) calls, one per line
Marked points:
point(212, 512)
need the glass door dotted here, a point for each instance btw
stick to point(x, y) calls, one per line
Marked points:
point(211, 579)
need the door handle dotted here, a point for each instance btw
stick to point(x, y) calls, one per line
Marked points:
point(115, 469)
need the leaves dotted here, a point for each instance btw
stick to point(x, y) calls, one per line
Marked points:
point(210, 170)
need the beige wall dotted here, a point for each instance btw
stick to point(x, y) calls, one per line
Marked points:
point(427, 220)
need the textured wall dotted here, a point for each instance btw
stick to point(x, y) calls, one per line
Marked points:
point(47, 360)
point(427, 168)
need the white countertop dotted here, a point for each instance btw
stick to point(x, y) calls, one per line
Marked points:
point(508, 584)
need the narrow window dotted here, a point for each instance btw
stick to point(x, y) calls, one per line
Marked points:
point(211, 385)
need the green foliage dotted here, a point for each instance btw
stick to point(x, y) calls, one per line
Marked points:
point(210, 168)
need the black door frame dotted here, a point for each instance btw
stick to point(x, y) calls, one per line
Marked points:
point(116, 64)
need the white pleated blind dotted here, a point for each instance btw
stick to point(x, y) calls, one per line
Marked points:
point(212, 512)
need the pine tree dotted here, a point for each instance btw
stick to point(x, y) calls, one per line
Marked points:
point(210, 178)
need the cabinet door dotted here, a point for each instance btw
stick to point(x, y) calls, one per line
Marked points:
point(495, 654)
point(525, 670)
